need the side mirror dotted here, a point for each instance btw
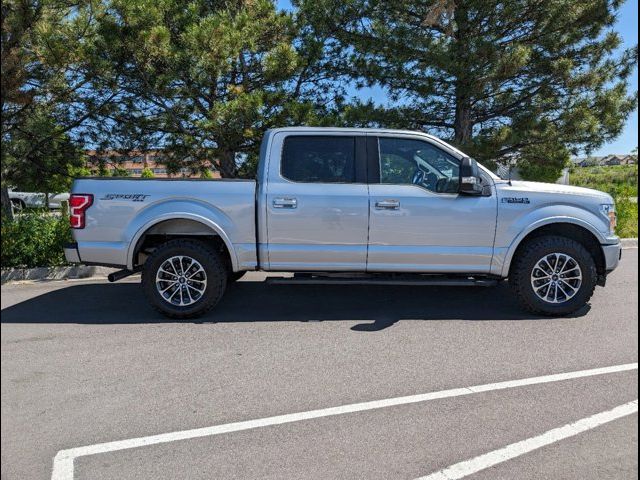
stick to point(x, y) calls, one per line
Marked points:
point(470, 183)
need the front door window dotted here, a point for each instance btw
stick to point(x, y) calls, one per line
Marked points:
point(414, 162)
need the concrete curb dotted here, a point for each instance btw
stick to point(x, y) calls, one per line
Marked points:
point(83, 271)
point(54, 273)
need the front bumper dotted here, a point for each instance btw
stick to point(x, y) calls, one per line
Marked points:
point(612, 255)
point(71, 252)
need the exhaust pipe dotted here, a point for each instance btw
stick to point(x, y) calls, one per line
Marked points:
point(120, 274)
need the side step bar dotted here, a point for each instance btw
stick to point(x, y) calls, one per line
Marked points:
point(433, 280)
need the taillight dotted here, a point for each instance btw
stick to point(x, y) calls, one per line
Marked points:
point(78, 204)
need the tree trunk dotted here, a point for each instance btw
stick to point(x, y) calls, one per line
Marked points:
point(227, 164)
point(463, 126)
point(7, 210)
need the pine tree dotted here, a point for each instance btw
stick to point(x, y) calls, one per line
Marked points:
point(50, 91)
point(205, 79)
point(526, 80)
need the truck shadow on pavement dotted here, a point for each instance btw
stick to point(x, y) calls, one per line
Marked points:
point(246, 301)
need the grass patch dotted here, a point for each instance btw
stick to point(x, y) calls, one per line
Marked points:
point(615, 180)
point(619, 181)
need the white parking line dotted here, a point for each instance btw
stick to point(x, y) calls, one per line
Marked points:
point(63, 461)
point(468, 467)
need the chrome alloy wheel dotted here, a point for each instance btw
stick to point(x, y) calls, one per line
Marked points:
point(556, 278)
point(181, 281)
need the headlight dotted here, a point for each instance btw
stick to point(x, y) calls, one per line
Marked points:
point(609, 211)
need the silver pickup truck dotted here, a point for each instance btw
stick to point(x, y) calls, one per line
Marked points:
point(348, 206)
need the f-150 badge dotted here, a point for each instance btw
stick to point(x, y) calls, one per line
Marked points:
point(515, 200)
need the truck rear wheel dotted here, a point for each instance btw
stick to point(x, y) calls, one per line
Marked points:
point(184, 278)
point(553, 275)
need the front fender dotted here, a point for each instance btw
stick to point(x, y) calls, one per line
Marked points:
point(507, 242)
point(208, 215)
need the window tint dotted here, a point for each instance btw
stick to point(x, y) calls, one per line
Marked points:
point(414, 162)
point(315, 159)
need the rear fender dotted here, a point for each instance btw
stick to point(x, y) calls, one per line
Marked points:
point(213, 220)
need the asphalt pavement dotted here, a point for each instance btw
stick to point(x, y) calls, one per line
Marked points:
point(86, 362)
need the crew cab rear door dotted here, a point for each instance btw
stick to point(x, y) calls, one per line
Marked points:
point(317, 202)
point(418, 220)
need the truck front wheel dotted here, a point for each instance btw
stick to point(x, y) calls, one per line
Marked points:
point(553, 275)
point(184, 278)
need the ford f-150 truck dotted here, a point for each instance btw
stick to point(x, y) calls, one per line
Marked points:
point(336, 205)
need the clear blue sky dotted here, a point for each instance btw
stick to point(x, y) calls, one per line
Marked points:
point(627, 25)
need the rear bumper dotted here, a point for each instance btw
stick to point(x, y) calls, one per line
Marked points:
point(71, 252)
point(612, 255)
point(106, 254)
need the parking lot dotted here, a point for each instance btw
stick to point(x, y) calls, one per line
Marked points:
point(91, 371)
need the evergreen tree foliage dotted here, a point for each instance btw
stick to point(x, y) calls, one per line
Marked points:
point(526, 80)
point(204, 79)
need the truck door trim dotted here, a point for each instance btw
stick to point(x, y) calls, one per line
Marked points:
point(373, 160)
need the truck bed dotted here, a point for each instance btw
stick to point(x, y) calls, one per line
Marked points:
point(124, 209)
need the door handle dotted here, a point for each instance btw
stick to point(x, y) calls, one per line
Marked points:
point(285, 203)
point(388, 205)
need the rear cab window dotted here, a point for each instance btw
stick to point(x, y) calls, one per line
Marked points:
point(319, 159)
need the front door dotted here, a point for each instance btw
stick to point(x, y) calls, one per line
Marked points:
point(418, 220)
point(317, 203)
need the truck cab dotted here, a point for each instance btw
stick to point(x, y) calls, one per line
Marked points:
point(376, 202)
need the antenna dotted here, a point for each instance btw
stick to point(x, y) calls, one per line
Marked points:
point(509, 174)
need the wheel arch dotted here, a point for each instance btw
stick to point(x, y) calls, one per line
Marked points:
point(573, 229)
point(185, 225)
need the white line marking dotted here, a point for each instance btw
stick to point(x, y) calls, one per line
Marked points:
point(63, 461)
point(468, 467)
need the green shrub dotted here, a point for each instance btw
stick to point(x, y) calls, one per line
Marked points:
point(34, 239)
point(611, 179)
point(627, 211)
point(621, 182)
point(147, 173)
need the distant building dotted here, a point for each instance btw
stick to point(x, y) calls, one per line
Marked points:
point(611, 160)
point(606, 160)
point(629, 160)
point(135, 161)
point(584, 161)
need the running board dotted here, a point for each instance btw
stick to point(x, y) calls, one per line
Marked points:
point(420, 280)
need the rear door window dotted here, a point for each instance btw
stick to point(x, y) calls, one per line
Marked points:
point(319, 159)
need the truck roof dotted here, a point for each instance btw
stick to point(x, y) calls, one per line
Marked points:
point(363, 130)
point(349, 129)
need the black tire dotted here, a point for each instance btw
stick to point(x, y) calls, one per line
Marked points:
point(235, 276)
point(209, 259)
point(527, 258)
